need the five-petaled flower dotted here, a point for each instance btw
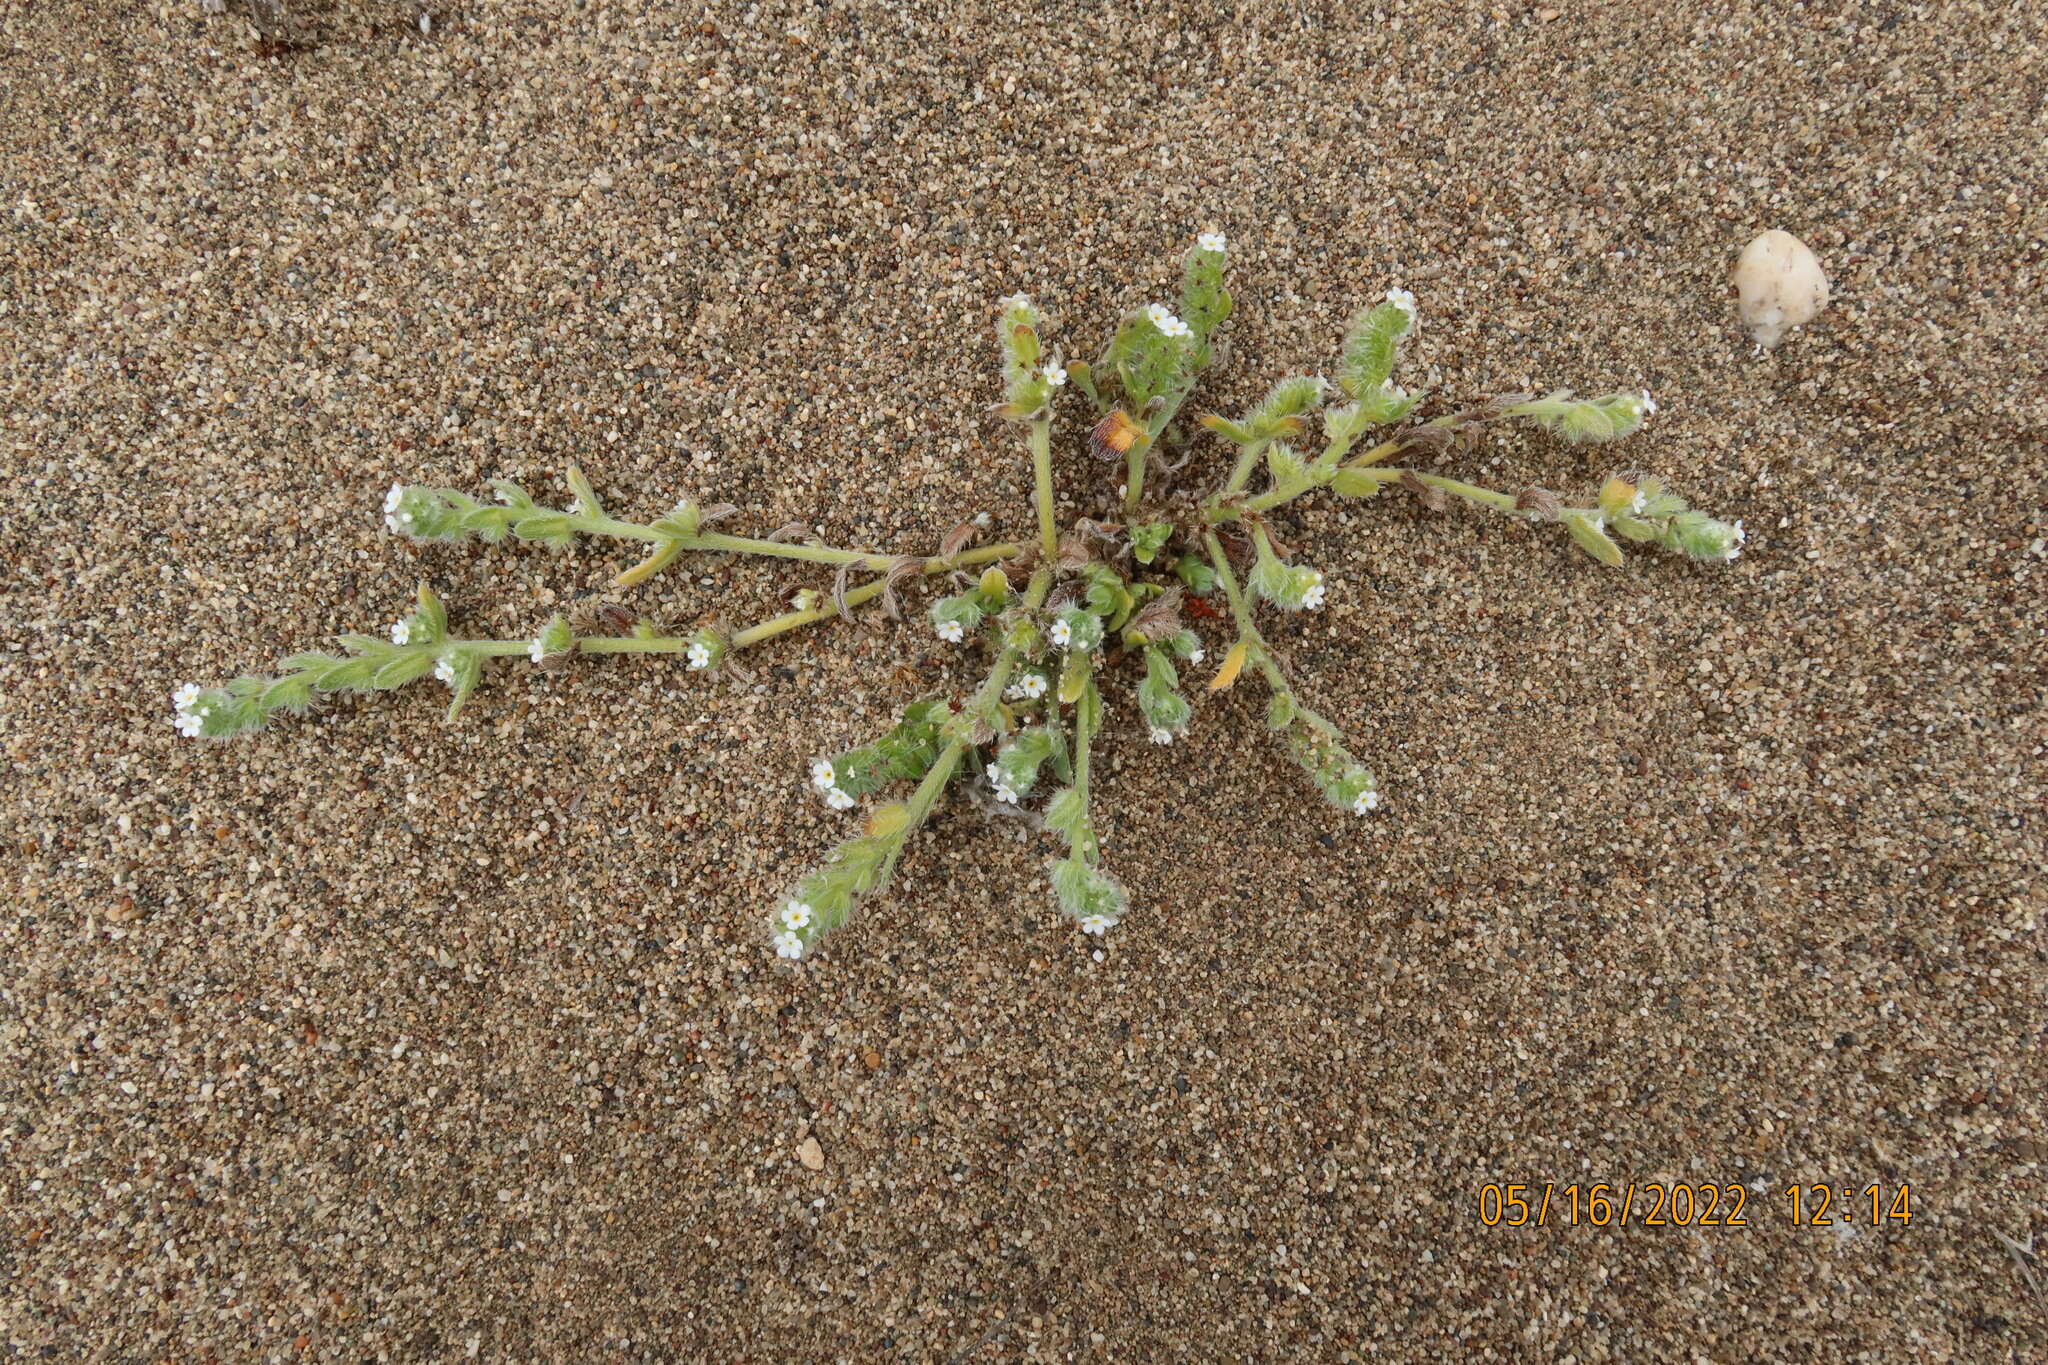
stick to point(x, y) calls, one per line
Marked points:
point(789, 945)
point(444, 669)
point(1061, 633)
point(952, 632)
point(1211, 241)
point(824, 775)
point(837, 799)
point(1097, 925)
point(1055, 374)
point(401, 632)
point(1367, 802)
point(795, 916)
point(1402, 300)
point(699, 654)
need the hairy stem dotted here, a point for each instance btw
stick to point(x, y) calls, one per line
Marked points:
point(1241, 614)
point(1041, 467)
point(948, 761)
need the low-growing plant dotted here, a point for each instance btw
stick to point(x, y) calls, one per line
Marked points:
point(1058, 614)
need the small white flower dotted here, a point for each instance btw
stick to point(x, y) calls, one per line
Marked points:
point(183, 698)
point(699, 654)
point(1008, 795)
point(1367, 802)
point(1061, 633)
point(536, 651)
point(401, 632)
point(190, 724)
point(391, 499)
point(1402, 300)
point(1312, 600)
point(1032, 686)
point(789, 946)
point(444, 669)
point(1197, 656)
point(1014, 301)
point(1211, 241)
point(1097, 925)
point(795, 916)
point(1160, 736)
point(1169, 325)
point(1649, 404)
point(952, 632)
point(837, 799)
point(1055, 374)
point(824, 775)
point(1638, 502)
point(994, 772)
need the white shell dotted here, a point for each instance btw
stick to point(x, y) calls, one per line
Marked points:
point(1779, 285)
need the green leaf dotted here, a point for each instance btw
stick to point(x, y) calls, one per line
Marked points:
point(512, 495)
point(548, 526)
point(403, 669)
point(1372, 344)
point(431, 614)
point(347, 675)
point(1356, 483)
point(1585, 529)
point(580, 486)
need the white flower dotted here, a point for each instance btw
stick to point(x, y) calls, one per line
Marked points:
point(789, 946)
point(536, 651)
point(1312, 600)
point(190, 723)
point(1005, 794)
point(699, 654)
point(395, 521)
point(401, 632)
point(1211, 241)
point(1160, 736)
point(1197, 656)
point(837, 799)
point(183, 698)
point(824, 775)
point(1168, 325)
point(952, 632)
point(1097, 925)
point(1402, 300)
point(1055, 374)
point(1032, 685)
point(795, 916)
point(392, 498)
point(1735, 549)
point(1638, 502)
point(1014, 301)
point(1061, 633)
point(1367, 802)
point(994, 772)
point(444, 669)
point(1649, 404)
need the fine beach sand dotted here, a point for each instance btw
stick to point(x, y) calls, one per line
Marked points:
point(370, 1038)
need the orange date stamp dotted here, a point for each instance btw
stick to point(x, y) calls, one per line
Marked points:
point(1731, 1205)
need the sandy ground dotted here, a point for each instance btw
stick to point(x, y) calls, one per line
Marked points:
point(368, 1038)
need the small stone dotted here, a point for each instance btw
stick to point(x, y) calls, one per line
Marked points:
point(1779, 285)
point(871, 1059)
point(811, 1154)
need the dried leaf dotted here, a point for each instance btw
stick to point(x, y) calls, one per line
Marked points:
point(1233, 664)
point(787, 532)
point(1161, 617)
point(1541, 501)
point(958, 539)
point(1432, 498)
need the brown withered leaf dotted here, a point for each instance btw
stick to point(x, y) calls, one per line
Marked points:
point(1160, 618)
point(717, 511)
point(839, 590)
point(1541, 501)
point(1114, 435)
point(1074, 551)
point(785, 532)
point(1432, 498)
point(958, 539)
